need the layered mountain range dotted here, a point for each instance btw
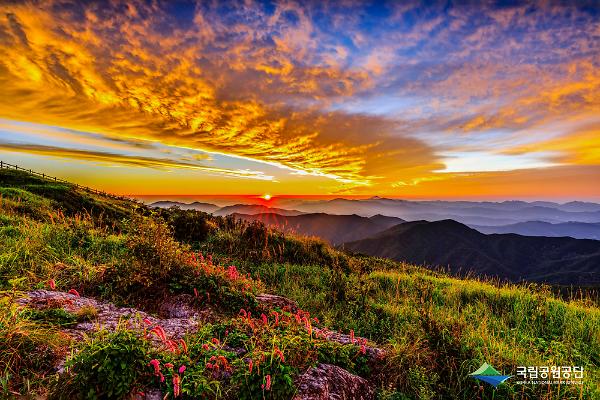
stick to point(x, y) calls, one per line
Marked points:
point(536, 242)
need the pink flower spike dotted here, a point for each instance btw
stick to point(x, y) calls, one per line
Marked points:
point(52, 284)
point(156, 364)
point(250, 365)
point(147, 321)
point(195, 292)
point(74, 292)
point(268, 385)
point(182, 369)
point(264, 319)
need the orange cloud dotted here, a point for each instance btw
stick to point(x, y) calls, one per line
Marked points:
point(115, 74)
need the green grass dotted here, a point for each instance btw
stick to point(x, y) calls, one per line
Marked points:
point(435, 329)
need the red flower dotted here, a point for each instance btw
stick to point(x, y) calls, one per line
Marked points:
point(267, 386)
point(195, 292)
point(209, 365)
point(279, 353)
point(183, 345)
point(181, 369)
point(205, 347)
point(176, 388)
point(352, 336)
point(147, 321)
point(52, 284)
point(264, 319)
point(74, 292)
point(243, 313)
point(160, 332)
point(250, 365)
point(215, 341)
point(156, 364)
point(169, 365)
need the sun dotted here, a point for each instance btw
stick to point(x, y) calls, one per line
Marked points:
point(266, 196)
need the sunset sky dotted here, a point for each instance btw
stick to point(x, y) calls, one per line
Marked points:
point(400, 99)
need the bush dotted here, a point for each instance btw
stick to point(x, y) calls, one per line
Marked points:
point(110, 366)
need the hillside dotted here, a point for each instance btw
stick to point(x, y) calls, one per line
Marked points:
point(182, 304)
point(564, 261)
point(335, 229)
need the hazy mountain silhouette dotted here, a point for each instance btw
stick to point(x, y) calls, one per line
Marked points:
point(556, 260)
point(577, 230)
point(205, 207)
point(252, 209)
point(335, 229)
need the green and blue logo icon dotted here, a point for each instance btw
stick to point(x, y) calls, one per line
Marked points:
point(488, 374)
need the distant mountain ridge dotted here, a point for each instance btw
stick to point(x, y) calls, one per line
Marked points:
point(196, 205)
point(447, 243)
point(252, 209)
point(577, 230)
point(335, 229)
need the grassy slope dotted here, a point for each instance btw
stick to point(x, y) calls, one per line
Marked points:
point(438, 329)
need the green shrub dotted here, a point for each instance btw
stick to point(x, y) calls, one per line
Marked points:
point(109, 366)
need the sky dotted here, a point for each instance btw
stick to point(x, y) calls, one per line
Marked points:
point(465, 99)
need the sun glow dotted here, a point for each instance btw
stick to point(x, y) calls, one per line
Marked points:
point(267, 197)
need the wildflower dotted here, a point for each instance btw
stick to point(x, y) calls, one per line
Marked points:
point(169, 365)
point(232, 272)
point(156, 364)
point(279, 353)
point(352, 336)
point(195, 292)
point(172, 346)
point(182, 370)
point(209, 365)
point(205, 347)
point(147, 321)
point(264, 319)
point(52, 284)
point(307, 325)
point(183, 345)
point(160, 332)
point(74, 292)
point(243, 313)
point(250, 365)
point(316, 320)
point(267, 386)
point(162, 377)
point(176, 388)
point(215, 341)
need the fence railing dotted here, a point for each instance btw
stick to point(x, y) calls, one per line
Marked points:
point(5, 165)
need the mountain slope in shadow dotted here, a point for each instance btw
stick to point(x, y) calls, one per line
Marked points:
point(335, 229)
point(447, 243)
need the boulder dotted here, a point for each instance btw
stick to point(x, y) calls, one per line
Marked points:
point(328, 382)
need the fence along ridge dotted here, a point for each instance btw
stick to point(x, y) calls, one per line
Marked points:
point(5, 165)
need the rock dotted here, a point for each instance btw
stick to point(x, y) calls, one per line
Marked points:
point(109, 315)
point(178, 306)
point(328, 382)
point(274, 301)
point(375, 354)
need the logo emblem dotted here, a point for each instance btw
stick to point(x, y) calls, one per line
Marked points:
point(488, 374)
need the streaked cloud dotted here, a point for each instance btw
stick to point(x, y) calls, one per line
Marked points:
point(374, 97)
